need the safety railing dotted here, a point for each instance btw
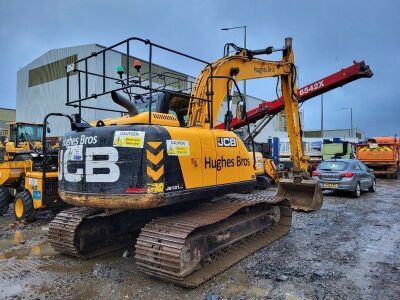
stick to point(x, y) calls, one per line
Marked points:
point(133, 85)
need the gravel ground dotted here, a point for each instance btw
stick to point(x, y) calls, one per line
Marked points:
point(347, 250)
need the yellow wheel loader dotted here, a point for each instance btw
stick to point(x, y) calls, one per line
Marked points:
point(21, 172)
point(266, 171)
point(158, 178)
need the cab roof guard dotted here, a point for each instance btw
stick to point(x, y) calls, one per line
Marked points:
point(133, 86)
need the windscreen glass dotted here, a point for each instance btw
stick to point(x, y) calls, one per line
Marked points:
point(333, 166)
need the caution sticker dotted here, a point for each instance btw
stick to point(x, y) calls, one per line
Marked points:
point(132, 139)
point(33, 182)
point(178, 148)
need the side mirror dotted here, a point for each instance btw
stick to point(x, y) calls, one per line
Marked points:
point(48, 129)
point(240, 110)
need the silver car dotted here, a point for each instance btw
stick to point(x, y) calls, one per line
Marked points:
point(345, 175)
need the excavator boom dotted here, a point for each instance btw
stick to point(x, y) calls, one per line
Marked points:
point(269, 108)
point(305, 194)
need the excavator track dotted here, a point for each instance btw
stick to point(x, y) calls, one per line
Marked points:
point(192, 247)
point(88, 232)
point(63, 227)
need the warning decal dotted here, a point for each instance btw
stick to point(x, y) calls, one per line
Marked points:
point(178, 148)
point(133, 139)
point(74, 153)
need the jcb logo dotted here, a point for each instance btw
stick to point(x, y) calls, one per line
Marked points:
point(100, 165)
point(226, 142)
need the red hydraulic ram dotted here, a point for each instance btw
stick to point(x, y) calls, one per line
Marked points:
point(356, 71)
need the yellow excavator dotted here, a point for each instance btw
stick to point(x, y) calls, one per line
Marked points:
point(21, 172)
point(160, 175)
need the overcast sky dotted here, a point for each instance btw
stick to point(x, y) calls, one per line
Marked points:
point(327, 36)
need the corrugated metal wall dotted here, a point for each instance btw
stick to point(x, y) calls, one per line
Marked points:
point(34, 102)
point(39, 94)
point(7, 115)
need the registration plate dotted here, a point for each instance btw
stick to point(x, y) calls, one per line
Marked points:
point(331, 185)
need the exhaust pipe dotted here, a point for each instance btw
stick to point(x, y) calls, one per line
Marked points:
point(124, 102)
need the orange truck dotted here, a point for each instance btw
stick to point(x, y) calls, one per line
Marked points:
point(381, 154)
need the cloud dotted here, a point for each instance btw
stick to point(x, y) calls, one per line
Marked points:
point(327, 36)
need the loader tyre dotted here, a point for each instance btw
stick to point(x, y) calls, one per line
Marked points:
point(23, 206)
point(372, 188)
point(5, 198)
point(357, 192)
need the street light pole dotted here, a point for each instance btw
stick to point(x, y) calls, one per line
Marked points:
point(244, 81)
point(322, 115)
point(351, 120)
point(244, 44)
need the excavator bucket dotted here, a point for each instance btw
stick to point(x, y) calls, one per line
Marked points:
point(305, 195)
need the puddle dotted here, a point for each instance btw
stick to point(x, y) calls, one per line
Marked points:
point(27, 243)
point(10, 290)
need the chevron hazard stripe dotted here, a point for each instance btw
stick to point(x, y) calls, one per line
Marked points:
point(155, 175)
point(378, 148)
point(155, 166)
point(154, 159)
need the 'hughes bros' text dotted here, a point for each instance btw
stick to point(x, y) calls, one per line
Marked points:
point(219, 163)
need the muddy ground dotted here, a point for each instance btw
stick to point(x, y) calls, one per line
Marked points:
point(347, 250)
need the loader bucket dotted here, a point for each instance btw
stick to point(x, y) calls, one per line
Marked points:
point(305, 195)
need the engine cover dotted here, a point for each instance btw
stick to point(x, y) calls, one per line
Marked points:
point(146, 166)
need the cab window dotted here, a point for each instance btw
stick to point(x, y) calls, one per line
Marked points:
point(178, 106)
point(26, 133)
point(333, 166)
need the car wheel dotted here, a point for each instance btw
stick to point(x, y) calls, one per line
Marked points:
point(372, 188)
point(357, 192)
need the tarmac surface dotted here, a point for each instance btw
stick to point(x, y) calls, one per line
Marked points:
point(350, 249)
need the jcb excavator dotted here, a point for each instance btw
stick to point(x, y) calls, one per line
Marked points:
point(21, 172)
point(167, 173)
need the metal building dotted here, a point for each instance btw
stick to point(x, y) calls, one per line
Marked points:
point(6, 115)
point(41, 85)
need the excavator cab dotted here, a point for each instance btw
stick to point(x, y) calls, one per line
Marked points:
point(165, 102)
